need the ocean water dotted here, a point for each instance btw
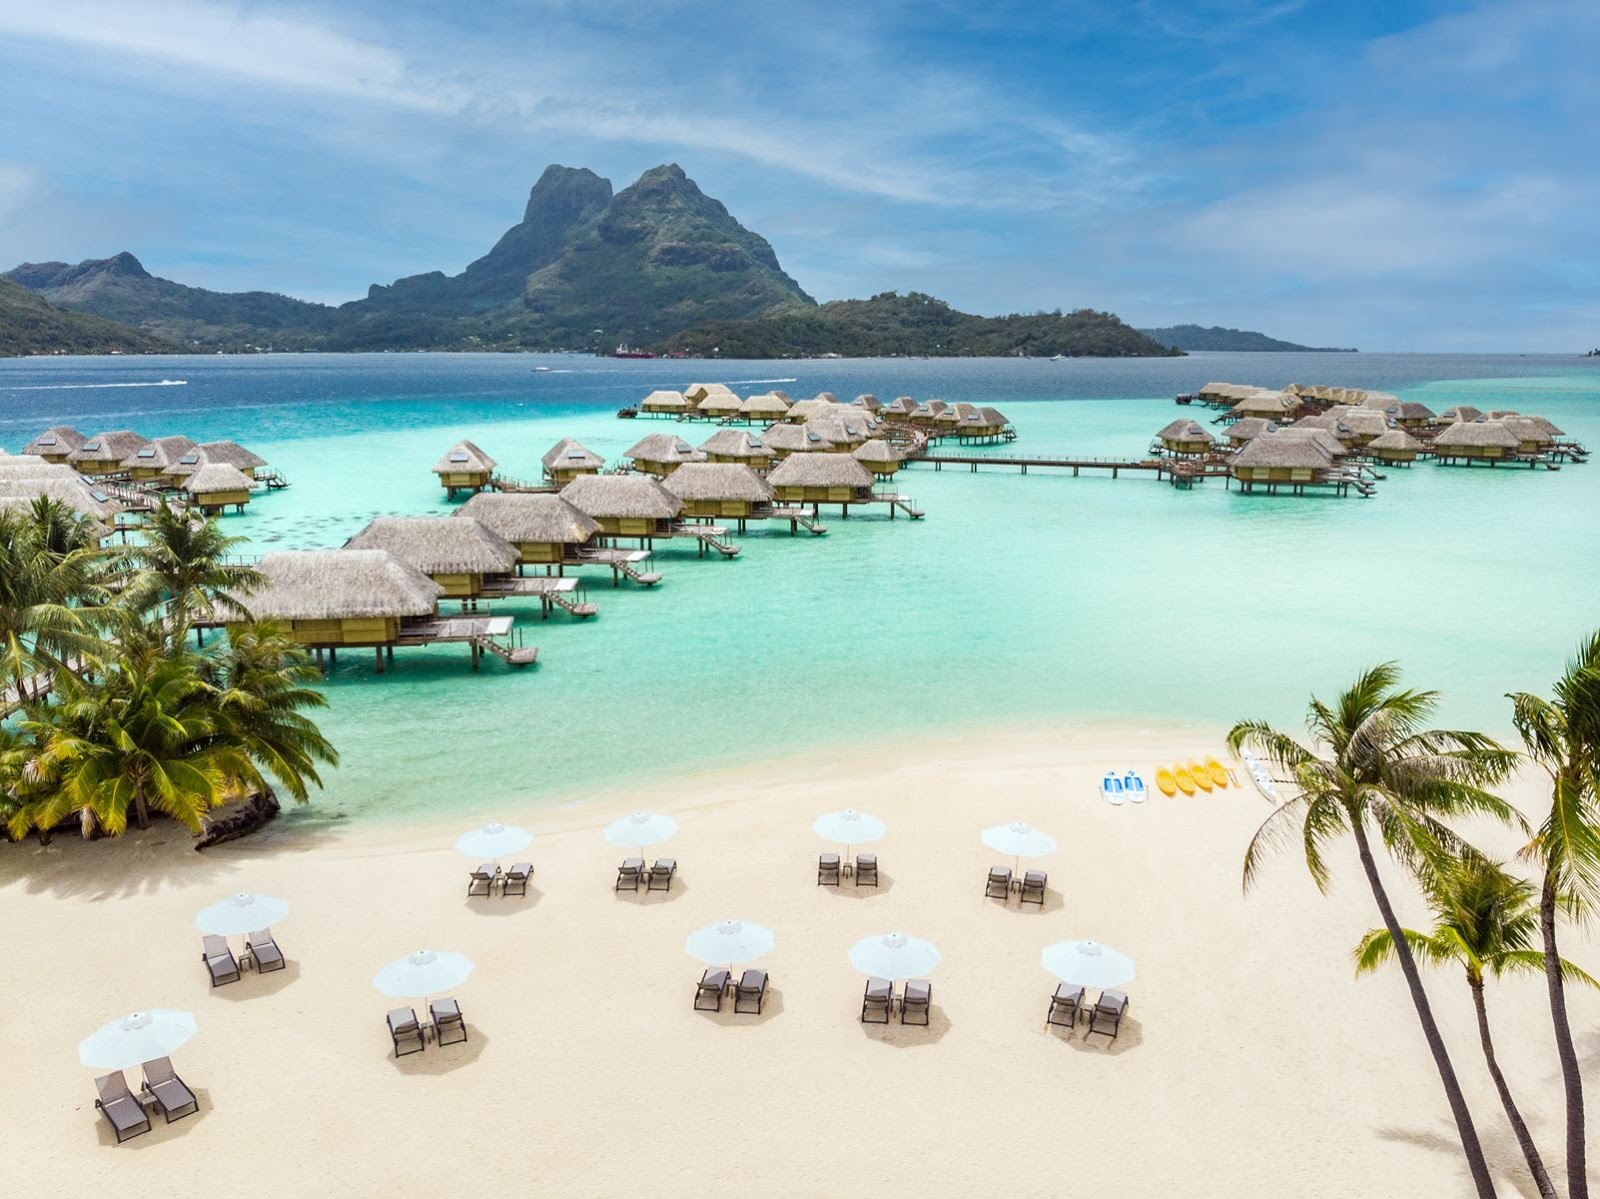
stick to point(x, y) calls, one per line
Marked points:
point(1038, 598)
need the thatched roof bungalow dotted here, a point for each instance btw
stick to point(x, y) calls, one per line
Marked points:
point(625, 505)
point(1274, 405)
point(878, 456)
point(570, 459)
point(216, 485)
point(1183, 437)
point(1532, 438)
point(159, 459)
point(1273, 459)
point(842, 429)
point(104, 453)
point(31, 466)
point(736, 445)
point(456, 554)
point(1395, 446)
point(763, 408)
point(665, 403)
point(662, 453)
point(901, 408)
point(720, 490)
point(1248, 428)
point(1458, 414)
point(335, 598)
point(1329, 442)
point(868, 401)
point(74, 493)
point(820, 478)
point(803, 410)
point(696, 392)
point(719, 404)
point(55, 443)
point(245, 460)
point(784, 440)
point(544, 528)
point(1358, 426)
point(1480, 440)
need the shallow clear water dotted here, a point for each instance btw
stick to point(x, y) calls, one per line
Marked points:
point(1039, 597)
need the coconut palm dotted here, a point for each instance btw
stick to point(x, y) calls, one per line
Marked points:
point(1485, 921)
point(1563, 737)
point(60, 529)
point(1373, 764)
point(48, 604)
point(183, 560)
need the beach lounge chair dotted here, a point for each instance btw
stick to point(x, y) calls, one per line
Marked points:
point(484, 876)
point(219, 960)
point(117, 1104)
point(661, 873)
point(708, 991)
point(828, 870)
point(1065, 1005)
point(171, 1093)
point(917, 1002)
point(999, 883)
point(516, 879)
point(866, 870)
point(877, 1001)
point(403, 1026)
point(1108, 1010)
point(447, 1019)
point(629, 875)
point(1033, 885)
point(751, 992)
point(264, 951)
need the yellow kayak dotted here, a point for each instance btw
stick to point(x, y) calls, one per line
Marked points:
point(1164, 780)
point(1201, 776)
point(1185, 780)
point(1214, 768)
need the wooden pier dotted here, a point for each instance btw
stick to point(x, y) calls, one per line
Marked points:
point(1181, 472)
point(552, 591)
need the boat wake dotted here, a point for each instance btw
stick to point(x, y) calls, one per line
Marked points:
point(96, 386)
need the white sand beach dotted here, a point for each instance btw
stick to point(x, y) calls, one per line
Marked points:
point(1252, 1061)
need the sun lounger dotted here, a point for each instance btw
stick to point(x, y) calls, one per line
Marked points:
point(118, 1105)
point(264, 951)
point(866, 870)
point(751, 992)
point(661, 873)
point(1033, 885)
point(219, 960)
point(629, 875)
point(1065, 1005)
point(1108, 1010)
point(171, 1093)
point(999, 884)
point(828, 870)
point(403, 1026)
point(516, 879)
point(877, 1001)
point(708, 991)
point(484, 876)
point(447, 1019)
point(916, 1002)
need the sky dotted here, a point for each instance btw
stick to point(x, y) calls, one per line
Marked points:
point(1389, 175)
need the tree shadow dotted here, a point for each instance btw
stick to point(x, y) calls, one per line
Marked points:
point(253, 984)
point(438, 1059)
point(909, 1036)
point(1129, 1037)
point(644, 898)
point(771, 1009)
point(503, 905)
point(160, 1131)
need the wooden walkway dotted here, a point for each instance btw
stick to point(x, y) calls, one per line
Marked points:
point(552, 591)
point(1180, 471)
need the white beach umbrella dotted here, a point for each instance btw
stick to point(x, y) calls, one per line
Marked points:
point(1088, 963)
point(493, 840)
point(422, 974)
point(894, 955)
point(730, 942)
point(135, 1038)
point(848, 828)
point(1018, 841)
point(240, 914)
point(641, 829)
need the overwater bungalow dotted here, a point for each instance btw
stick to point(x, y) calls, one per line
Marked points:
point(544, 529)
point(843, 431)
point(1358, 426)
point(1407, 414)
point(156, 461)
point(763, 409)
point(1274, 405)
point(1457, 414)
point(1532, 437)
point(720, 490)
point(570, 459)
point(901, 408)
point(784, 440)
point(464, 467)
point(804, 410)
point(696, 392)
point(1395, 447)
point(457, 554)
point(1248, 429)
point(244, 460)
point(216, 485)
point(625, 505)
point(104, 453)
point(868, 401)
point(1182, 438)
point(719, 405)
point(1329, 442)
point(879, 457)
point(821, 478)
point(665, 403)
point(662, 453)
point(1480, 440)
point(1273, 461)
point(55, 443)
point(736, 445)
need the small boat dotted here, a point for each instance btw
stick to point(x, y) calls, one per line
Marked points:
point(1200, 775)
point(1214, 768)
point(1058, 357)
point(540, 369)
point(1111, 788)
point(1164, 780)
point(1133, 787)
point(627, 413)
point(1184, 779)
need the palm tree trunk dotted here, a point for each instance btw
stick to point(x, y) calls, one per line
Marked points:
point(1530, 1151)
point(1572, 1080)
point(1468, 1133)
point(141, 810)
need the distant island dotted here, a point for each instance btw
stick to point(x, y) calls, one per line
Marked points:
point(32, 325)
point(659, 266)
point(1200, 338)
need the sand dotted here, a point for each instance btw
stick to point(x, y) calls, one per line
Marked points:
point(1252, 1062)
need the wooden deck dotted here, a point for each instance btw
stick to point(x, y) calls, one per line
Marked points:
point(552, 591)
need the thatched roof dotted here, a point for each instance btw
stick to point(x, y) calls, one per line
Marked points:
point(876, 450)
point(828, 396)
point(720, 401)
point(75, 493)
point(763, 405)
point(1364, 422)
point(841, 430)
point(902, 406)
point(819, 470)
point(782, 395)
point(235, 454)
point(664, 447)
point(438, 545)
point(1480, 432)
point(1395, 439)
point(1330, 444)
point(1184, 429)
point(212, 477)
point(160, 454)
point(524, 518)
point(571, 454)
point(805, 409)
point(717, 481)
point(868, 401)
point(1265, 403)
point(791, 439)
point(1547, 426)
point(670, 400)
point(461, 457)
point(622, 497)
point(1248, 427)
point(1275, 450)
point(336, 584)
point(32, 467)
point(107, 447)
point(58, 439)
point(1461, 412)
point(1527, 429)
point(696, 392)
point(993, 416)
point(736, 443)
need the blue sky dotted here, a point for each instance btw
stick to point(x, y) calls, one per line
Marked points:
point(1387, 175)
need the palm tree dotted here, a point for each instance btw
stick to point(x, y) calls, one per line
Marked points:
point(183, 560)
point(1485, 920)
point(1563, 737)
point(48, 604)
point(1383, 767)
point(60, 529)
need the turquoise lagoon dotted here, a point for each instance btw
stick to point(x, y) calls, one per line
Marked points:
point(1034, 599)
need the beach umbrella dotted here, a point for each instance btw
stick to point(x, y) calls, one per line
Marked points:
point(422, 974)
point(1019, 841)
point(493, 840)
point(733, 942)
point(240, 914)
point(135, 1038)
point(1087, 963)
point(848, 828)
point(894, 955)
point(641, 829)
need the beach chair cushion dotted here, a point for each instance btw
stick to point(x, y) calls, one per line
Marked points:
point(121, 1108)
point(877, 1001)
point(171, 1093)
point(828, 870)
point(483, 877)
point(998, 885)
point(751, 993)
point(661, 874)
point(1033, 887)
point(629, 874)
point(264, 949)
point(916, 1002)
point(447, 1019)
point(516, 879)
point(403, 1026)
point(1065, 1005)
point(219, 960)
point(867, 870)
point(1106, 1015)
point(708, 991)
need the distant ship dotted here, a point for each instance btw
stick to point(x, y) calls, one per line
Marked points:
point(627, 351)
